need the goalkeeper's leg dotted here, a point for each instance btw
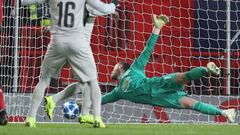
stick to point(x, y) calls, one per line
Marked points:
point(189, 103)
point(196, 73)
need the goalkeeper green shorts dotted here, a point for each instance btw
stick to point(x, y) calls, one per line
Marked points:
point(166, 92)
point(169, 100)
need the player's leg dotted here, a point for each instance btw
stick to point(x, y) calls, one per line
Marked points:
point(69, 91)
point(52, 62)
point(96, 103)
point(85, 117)
point(196, 73)
point(190, 103)
point(36, 100)
point(51, 101)
point(84, 68)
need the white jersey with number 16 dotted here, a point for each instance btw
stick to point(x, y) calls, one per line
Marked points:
point(67, 15)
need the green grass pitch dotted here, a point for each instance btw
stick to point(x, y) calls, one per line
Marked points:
point(121, 129)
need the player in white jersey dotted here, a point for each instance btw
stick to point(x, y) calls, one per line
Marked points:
point(68, 45)
point(85, 117)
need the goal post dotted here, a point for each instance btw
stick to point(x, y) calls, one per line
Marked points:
point(199, 31)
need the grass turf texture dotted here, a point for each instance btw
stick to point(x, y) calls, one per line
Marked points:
point(121, 129)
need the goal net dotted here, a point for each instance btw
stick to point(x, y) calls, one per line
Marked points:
point(199, 31)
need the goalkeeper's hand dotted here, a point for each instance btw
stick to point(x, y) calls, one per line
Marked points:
point(160, 21)
point(3, 117)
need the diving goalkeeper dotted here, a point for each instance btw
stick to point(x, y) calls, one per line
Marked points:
point(165, 91)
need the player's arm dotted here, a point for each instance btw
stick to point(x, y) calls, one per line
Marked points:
point(95, 12)
point(102, 7)
point(159, 22)
point(110, 97)
point(29, 2)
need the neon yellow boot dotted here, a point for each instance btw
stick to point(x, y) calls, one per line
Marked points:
point(30, 122)
point(98, 123)
point(49, 106)
point(86, 119)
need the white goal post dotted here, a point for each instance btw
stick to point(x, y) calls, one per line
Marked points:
point(199, 31)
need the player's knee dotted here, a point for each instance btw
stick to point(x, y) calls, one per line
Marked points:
point(187, 102)
point(93, 84)
point(185, 105)
point(181, 79)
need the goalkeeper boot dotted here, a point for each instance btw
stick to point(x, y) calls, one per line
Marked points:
point(86, 119)
point(160, 21)
point(230, 114)
point(213, 69)
point(49, 106)
point(30, 122)
point(98, 123)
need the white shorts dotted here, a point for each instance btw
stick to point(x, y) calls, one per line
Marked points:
point(74, 50)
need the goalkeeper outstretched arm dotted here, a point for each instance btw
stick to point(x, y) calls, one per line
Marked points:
point(110, 97)
point(159, 22)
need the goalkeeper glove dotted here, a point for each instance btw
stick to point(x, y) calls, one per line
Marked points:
point(160, 21)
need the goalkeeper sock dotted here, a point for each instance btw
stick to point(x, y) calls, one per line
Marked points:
point(196, 73)
point(207, 109)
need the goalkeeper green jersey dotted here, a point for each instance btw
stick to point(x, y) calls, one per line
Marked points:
point(136, 87)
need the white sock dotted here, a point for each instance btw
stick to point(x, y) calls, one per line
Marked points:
point(38, 94)
point(73, 89)
point(86, 98)
point(69, 91)
point(95, 97)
